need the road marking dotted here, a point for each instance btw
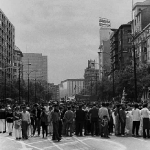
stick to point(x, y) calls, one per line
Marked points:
point(56, 145)
point(81, 141)
point(22, 143)
point(39, 141)
point(121, 147)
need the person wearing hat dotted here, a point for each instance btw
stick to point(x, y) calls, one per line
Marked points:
point(9, 118)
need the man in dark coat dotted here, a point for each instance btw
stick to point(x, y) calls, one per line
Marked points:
point(80, 119)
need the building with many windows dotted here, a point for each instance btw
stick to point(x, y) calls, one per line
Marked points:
point(121, 47)
point(7, 45)
point(35, 66)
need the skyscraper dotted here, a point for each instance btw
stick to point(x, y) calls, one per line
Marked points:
point(7, 45)
point(35, 66)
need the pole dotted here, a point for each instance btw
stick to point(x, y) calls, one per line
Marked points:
point(96, 84)
point(113, 82)
point(135, 78)
point(28, 81)
point(35, 90)
point(19, 85)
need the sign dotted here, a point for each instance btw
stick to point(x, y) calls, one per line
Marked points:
point(103, 22)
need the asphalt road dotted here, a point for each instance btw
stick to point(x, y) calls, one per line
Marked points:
point(74, 143)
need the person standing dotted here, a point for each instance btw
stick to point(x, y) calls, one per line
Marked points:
point(122, 119)
point(17, 123)
point(55, 120)
point(103, 111)
point(145, 118)
point(68, 117)
point(136, 116)
point(80, 119)
point(25, 122)
point(94, 120)
point(9, 118)
point(37, 116)
point(44, 121)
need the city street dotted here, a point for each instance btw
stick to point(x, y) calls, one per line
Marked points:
point(74, 143)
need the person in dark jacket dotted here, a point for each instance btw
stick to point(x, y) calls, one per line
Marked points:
point(9, 118)
point(122, 119)
point(37, 116)
point(55, 120)
point(94, 120)
point(80, 119)
point(44, 121)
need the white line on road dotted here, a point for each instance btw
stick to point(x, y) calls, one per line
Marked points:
point(22, 143)
point(39, 142)
point(57, 146)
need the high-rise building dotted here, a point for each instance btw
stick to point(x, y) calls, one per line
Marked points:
point(104, 59)
point(7, 45)
point(35, 66)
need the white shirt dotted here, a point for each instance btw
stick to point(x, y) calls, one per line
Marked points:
point(145, 113)
point(136, 114)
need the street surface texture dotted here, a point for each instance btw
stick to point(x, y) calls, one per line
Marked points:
point(74, 143)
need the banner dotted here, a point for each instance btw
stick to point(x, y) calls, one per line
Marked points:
point(103, 22)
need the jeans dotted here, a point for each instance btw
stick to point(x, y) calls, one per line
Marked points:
point(37, 126)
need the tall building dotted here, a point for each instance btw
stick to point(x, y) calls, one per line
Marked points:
point(104, 59)
point(35, 66)
point(121, 47)
point(141, 32)
point(7, 45)
point(91, 76)
point(71, 87)
point(18, 66)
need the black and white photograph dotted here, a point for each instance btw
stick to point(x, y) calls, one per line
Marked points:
point(74, 74)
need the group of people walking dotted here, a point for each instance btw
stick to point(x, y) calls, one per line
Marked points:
point(82, 119)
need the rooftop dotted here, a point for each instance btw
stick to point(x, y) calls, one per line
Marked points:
point(145, 3)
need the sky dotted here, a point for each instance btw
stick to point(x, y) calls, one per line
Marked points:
point(67, 31)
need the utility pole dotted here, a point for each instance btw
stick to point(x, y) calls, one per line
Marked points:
point(19, 85)
point(135, 78)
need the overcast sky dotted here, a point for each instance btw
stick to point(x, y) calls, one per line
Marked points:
point(67, 31)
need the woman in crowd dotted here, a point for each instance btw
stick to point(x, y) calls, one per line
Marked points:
point(17, 123)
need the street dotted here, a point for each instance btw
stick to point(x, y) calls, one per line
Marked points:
point(74, 143)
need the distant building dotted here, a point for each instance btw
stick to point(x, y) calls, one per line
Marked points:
point(7, 45)
point(91, 75)
point(71, 87)
point(35, 65)
point(54, 89)
point(18, 66)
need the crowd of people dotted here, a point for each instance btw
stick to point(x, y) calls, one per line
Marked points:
point(82, 119)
